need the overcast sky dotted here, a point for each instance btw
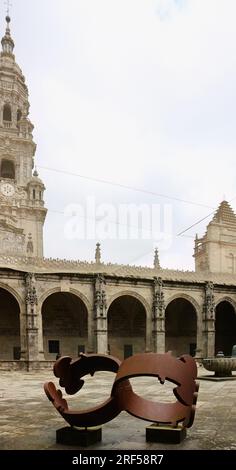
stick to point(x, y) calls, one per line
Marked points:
point(140, 93)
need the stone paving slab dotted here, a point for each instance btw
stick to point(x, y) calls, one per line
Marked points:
point(28, 421)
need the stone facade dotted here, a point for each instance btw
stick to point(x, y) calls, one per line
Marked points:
point(22, 212)
point(216, 251)
point(68, 307)
point(56, 306)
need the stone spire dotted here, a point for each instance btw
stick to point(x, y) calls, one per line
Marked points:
point(98, 253)
point(156, 259)
point(225, 214)
point(215, 252)
point(17, 152)
point(7, 41)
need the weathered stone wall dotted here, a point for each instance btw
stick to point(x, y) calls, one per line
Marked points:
point(116, 345)
point(148, 331)
point(69, 345)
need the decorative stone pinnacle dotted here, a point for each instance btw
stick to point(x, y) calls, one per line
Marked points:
point(98, 253)
point(156, 259)
point(7, 41)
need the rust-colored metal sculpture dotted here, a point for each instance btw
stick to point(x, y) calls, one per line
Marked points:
point(181, 371)
point(70, 372)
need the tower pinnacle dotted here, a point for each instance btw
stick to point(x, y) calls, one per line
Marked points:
point(156, 259)
point(7, 41)
point(21, 192)
point(98, 253)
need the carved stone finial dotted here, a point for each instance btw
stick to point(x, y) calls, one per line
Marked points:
point(7, 41)
point(156, 259)
point(98, 253)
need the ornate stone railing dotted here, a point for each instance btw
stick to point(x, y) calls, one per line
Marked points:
point(7, 124)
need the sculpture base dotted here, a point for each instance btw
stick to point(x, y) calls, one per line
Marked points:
point(213, 378)
point(165, 434)
point(79, 436)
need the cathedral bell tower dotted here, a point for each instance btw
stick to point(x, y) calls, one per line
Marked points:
point(22, 211)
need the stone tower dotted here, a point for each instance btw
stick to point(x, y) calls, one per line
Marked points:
point(216, 250)
point(22, 211)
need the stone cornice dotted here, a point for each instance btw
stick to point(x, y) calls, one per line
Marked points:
point(48, 265)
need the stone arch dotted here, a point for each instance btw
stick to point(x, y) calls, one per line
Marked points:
point(54, 290)
point(10, 338)
point(18, 114)
point(127, 324)
point(225, 325)
point(181, 322)
point(82, 297)
point(131, 293)
point(7, 112)
point(8, 168)
point(64, 322)
point(186, 297)
point(14, 293)
point(225, 298)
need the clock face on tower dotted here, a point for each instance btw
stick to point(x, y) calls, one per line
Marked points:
point(7, 189)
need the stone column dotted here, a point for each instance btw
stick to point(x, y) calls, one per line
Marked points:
point(31, 318)
point(17, 172)
point(40, 335)
point(23, 337)
point(100, 309)
point(91, 347)
point(1, 116)
point(209, 321)
point(148, 339)
point(14, 115)
point(200, 346)
point(158, 316)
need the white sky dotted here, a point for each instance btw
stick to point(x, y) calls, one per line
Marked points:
point(138, 92)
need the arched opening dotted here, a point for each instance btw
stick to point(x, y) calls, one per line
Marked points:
point(7, 113)
point(8, 169)
point(65, 325)
point(19, 115)
point(225, 336)
point(9, 327)
point(181, 327)
point(126, 327)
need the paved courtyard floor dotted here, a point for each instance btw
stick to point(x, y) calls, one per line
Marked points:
point(29, 421)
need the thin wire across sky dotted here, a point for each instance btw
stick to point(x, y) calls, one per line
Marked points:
point(132, 188)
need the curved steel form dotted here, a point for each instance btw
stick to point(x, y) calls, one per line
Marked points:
point(180, 371)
